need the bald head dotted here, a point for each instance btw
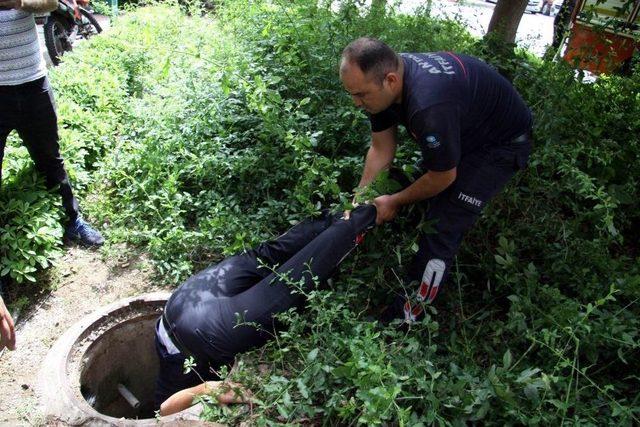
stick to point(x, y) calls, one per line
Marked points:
point(374, 58)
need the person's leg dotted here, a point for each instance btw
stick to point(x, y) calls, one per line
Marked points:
point(278, 251)
point(38, 128)
point(4, 132)
point(430, 266)
point(218, 333)
point(7, 123)
point(39, 132)
point(245, 270)
point(561, 23)
point(238, 273)
point(481, 176)
point(311, 264)
point(8, 117)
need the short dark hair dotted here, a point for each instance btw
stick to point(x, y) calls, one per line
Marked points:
point(372, 56)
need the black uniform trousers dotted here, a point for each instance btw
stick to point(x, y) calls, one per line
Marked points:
point(229, 307)
point(480, 176)
point(29, 108)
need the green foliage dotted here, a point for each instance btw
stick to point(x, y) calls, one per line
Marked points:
point(30, 234)
point(199, 136)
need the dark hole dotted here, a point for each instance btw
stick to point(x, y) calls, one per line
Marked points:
point(124, 354)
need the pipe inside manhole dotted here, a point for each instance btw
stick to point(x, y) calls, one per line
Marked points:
point(121, 364)
point(103, 370)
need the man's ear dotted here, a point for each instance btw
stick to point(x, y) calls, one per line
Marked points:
point(392, 79)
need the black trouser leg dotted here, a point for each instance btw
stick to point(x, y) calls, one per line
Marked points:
point(208, 327)
point(8, 118)
point(282, 290)
point(481, 175)
point(312, 263)
point(276, 252)
point(560, 24)
point(235, 274)
point(204, 311)
point(38, 129)
point(4, 132)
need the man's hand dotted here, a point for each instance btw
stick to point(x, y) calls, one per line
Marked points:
point(387, 208)
point(347, 214)
point(224, 392)
point(379, 157)
point(10, 4)
point(228, 392)
point(7, 329)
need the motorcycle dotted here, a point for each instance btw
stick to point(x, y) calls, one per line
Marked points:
point(62, 27)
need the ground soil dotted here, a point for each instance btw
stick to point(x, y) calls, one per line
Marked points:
point(83, 281)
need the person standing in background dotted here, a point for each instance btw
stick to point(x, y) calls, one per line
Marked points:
point(548, 4)
point(27, 106)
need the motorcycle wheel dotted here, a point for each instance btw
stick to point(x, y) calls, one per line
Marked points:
point(56, 38)
point(87, 31)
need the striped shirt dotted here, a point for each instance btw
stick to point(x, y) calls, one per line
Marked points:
point(20, 58)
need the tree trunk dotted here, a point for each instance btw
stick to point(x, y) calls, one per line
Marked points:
point(505, 20)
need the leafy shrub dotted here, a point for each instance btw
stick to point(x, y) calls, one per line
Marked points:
point(201, 135)
point(30, 231)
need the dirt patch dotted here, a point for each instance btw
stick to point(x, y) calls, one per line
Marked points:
point(86, 280)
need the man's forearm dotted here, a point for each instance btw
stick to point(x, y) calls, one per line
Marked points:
point(373, 164)
point(380, 154)
point(38, 6)
point(428, 185)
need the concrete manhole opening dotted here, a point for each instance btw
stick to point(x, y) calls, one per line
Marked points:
point(102, 371)
point(118, 370)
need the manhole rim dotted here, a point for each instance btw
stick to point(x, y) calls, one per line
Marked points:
point(59, 397)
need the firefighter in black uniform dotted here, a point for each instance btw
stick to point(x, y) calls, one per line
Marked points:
point(473, 130)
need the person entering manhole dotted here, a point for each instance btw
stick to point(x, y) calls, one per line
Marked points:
point(229, 307)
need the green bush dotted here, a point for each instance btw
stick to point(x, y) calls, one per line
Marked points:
point(198, 136)
point(30, 232)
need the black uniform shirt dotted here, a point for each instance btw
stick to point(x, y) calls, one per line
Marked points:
point(453, 104)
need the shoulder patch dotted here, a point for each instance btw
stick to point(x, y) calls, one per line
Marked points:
point(432, 141)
